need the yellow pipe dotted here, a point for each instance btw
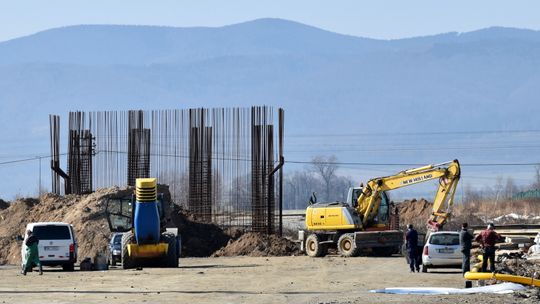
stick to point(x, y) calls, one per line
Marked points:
point(501, 277)
point(478, 266)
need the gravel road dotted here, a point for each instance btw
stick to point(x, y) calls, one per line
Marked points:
point(240, 280)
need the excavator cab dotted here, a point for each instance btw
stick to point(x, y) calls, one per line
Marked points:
point(382, 216)
point(119, 212)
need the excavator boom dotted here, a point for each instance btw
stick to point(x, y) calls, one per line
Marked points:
point(448, 174)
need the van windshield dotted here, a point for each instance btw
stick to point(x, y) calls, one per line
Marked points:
point(52, 232)
point(444, 239)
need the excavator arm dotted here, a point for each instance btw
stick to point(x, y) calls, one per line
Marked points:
point(448, 174)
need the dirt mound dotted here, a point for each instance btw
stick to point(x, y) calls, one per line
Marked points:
point(198, 239)
point(87, 215)
point(85, 212)
point(256, 245)
point(417, 212)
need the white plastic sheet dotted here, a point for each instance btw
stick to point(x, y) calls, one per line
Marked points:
point(497, 288)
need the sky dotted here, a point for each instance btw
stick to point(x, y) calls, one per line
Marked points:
point(384, 19)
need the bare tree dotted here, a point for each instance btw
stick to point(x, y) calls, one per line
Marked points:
point(497, 190)
point(298, 187)
point(325, 167)
point(536, 183)
point(510, 188)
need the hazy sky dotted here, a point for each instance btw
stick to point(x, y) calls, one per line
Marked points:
point(376, 19)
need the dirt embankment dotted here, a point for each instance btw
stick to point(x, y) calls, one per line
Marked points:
point(87, 215)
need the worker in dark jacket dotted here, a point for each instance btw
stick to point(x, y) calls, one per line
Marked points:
point(465, 240)
point(31, 256)
point(488, 238)
point(412, 248)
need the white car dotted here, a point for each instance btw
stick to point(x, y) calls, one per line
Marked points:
point(442, 250)
point(57, 244)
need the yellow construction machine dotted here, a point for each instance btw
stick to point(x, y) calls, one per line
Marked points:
point(365, 221)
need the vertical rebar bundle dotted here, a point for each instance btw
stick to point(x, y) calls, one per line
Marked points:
point(80, 152)
point(218, 163)
point(200, 165)
point(138, 148)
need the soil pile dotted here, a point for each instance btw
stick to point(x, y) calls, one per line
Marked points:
point(418, 212)
point(85, 212)
point(257, 245)
point(415, 212)
point(87, 215)
point(198, 239)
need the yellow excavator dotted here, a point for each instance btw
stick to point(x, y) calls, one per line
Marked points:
point(365, 222)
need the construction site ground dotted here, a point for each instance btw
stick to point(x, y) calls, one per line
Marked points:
point(295, 279)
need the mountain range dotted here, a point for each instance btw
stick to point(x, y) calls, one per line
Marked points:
point(327, 82)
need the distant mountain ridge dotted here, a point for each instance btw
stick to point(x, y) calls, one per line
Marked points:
point(144, 45)
point(327, 82)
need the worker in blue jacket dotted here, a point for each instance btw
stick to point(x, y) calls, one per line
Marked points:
point(411, 238)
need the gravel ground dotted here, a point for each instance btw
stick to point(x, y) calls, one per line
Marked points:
point(243, 280)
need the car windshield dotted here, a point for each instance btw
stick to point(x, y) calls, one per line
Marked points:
point(51, 232)
point(445, 239)
point(117, 239)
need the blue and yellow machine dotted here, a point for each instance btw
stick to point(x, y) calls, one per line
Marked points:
point(147, 242)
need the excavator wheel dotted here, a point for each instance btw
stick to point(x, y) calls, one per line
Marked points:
point(314, 248)
point(127, 261)
point(347, 245)
point(171, 259)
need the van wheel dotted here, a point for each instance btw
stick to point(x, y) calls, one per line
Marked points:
point(68, 267)
point(314, 248)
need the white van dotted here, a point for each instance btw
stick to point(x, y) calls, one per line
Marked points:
point(57, 244)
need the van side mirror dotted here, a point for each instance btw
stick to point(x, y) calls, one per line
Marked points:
point(19, 238)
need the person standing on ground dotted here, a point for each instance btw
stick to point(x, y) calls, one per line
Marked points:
point(31, 256)
point(465, 240)
point(488, 238)
point(412, 248)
